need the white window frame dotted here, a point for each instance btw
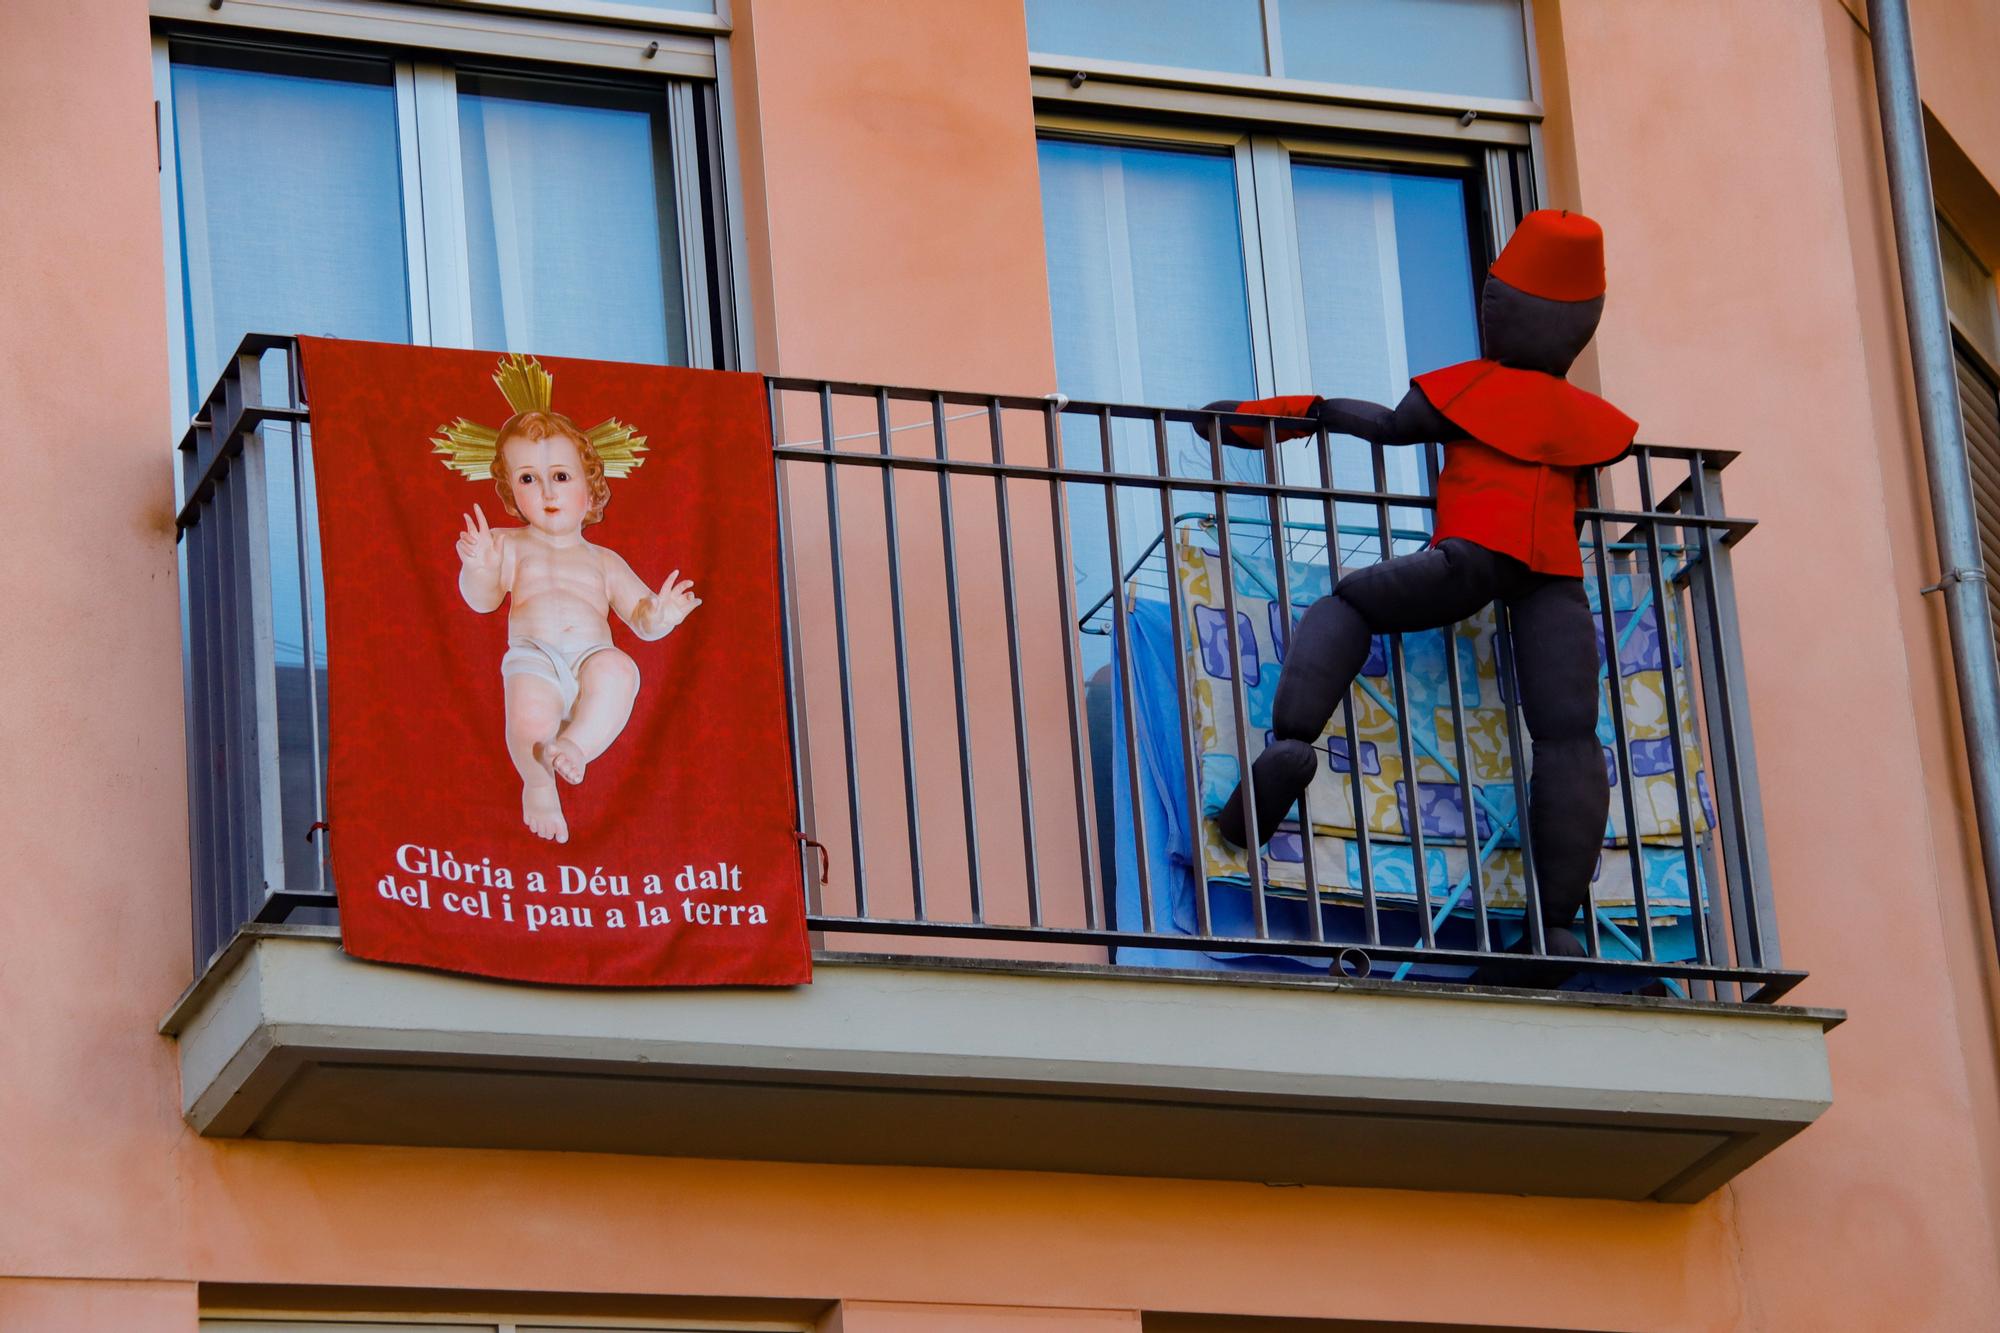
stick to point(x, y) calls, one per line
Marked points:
point(683, 49)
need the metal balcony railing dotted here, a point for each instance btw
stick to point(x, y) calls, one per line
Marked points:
point(1022, 663)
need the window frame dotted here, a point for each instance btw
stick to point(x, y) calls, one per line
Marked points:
point(685, 53)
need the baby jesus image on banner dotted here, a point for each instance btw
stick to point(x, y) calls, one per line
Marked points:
point(556, 717)
point(569, 690)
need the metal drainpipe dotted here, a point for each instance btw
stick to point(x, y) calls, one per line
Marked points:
point(1963, 581)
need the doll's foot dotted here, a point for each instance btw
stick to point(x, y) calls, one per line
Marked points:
point(541, 811)
point(562, 758)
point(1279, 776)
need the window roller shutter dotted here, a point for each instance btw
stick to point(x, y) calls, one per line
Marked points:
point(1979, 410)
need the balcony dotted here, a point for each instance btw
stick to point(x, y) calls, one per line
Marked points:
point(1027, 642)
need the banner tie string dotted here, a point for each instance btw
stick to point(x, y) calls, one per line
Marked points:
point(825, 861)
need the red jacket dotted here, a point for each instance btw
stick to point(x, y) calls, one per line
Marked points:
point(1511, 482)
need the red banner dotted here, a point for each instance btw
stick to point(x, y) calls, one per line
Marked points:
point(556, 714)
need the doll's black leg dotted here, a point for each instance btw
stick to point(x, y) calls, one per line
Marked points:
point(1328, 647)
point(1569, 792)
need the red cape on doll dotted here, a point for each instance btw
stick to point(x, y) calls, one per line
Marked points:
point(1528, 415)
point(1511, 485)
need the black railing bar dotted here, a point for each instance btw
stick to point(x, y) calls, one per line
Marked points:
point(1413, 822)
point(227, 679)
point(226, 450)
point(1072, 671)
point(1150, 481)
point(1281, 643)
point(1718, 942)
point(1364, 852)
point(1629, 967)
point(1614, 688)
point(1683, 794)
point(898, 626)
point(1720, 687)
point(1253, 848)
point(204, 828)
point(1123, 671)
point(1184, 694)
point(1023, 765)
point(1062, 403)
point(840, 641)
point(1475, 855)
point(307, 628)
point(1510, 692)
point(1196, 416)
point(1772, 983)
point(796, 723)
point(957, 633)
point(238, 661)
point(1091, 476)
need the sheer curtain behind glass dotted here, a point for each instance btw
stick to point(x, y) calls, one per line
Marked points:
point(292, 221)
point(1150, 305)
point(1385, 278)
point(570, 230)
point(290, 200)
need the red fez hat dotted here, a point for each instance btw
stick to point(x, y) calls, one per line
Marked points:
point(1558, 255)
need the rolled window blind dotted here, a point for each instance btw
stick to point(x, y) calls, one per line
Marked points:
point(1979, 410)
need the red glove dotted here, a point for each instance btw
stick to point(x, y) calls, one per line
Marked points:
point(1285, 405)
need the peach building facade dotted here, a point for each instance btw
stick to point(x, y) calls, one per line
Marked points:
point(880, 209)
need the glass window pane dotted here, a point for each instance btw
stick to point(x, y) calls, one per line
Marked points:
point(1225, 35)
point(1150, 305)
point(1385, 275)
point(569, 218)
point(1475, 47)
point(290, 199)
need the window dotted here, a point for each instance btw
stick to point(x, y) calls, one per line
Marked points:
point(1470, 48)
point(1317, 238)
point(472, 200)
point(1187, 266)
point(326, 190)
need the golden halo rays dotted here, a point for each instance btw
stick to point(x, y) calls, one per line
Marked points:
point(468, 447)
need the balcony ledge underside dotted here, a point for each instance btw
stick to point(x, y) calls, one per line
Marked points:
point(897, 1061)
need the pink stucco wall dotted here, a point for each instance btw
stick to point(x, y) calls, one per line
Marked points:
point(895, 234)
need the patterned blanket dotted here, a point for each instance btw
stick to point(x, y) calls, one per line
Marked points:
point(1386, 782)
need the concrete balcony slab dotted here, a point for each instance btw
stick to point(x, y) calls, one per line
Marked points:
point(1011, 1066)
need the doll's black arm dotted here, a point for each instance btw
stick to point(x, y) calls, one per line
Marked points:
point(1412, 421)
